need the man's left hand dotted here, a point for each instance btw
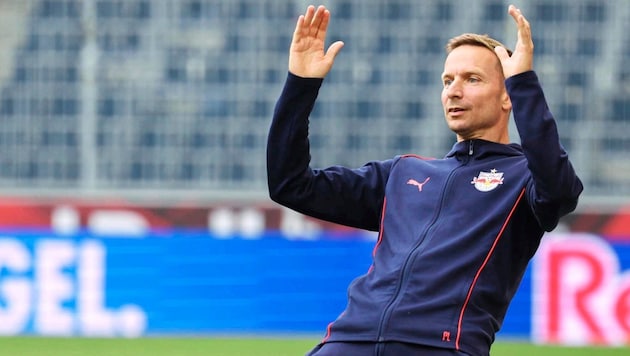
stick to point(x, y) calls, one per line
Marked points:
point(522, 57)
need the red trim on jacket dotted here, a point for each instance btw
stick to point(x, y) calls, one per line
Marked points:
point(380, 232)
point(483, 265)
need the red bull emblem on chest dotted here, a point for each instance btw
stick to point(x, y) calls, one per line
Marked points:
point(487, 181)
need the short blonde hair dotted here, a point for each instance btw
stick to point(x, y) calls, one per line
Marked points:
point(474, 39)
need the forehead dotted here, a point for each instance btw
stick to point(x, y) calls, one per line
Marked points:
point(469, 58)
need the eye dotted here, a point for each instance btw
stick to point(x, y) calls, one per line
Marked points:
point(474, 80)
point(446, 82)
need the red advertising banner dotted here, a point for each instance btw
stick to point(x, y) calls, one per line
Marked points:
point(120, 217)
point(581, 292)
point(114, 216)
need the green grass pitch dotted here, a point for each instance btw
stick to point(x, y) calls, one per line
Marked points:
point(40, 346)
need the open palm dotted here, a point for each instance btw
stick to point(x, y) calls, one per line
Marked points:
point(308, 57)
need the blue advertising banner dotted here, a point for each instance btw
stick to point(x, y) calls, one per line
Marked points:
point(183, 284)
point(189, 283)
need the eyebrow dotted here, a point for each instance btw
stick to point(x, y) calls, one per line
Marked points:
point(467, 73)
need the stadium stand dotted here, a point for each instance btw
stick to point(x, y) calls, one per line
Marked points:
point(136, 96)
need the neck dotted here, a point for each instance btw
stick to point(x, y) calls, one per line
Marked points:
point(498, 137)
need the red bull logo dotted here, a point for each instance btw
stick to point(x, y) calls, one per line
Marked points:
point(487, 181)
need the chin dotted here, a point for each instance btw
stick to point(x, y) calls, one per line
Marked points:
point(458, 129)
point(462, 135)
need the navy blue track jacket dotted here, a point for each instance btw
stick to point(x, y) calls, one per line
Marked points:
point(455, 234)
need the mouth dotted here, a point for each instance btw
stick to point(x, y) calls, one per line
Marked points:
point(455, 110)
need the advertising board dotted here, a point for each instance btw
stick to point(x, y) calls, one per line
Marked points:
point(124, 270)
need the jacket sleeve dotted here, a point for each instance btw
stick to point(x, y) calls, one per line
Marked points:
point(352, 197)
point(555, 187)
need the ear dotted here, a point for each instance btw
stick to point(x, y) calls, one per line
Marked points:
point(506, 103)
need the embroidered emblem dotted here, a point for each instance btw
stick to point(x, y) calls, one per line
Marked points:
point(418, 184)
point(487, 181)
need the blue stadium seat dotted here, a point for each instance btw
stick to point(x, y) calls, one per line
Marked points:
point(593, 12)
point(551, 11)
point(494, 11)
point(620, 109)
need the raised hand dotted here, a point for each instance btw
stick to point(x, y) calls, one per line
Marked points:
point(523, 56)
point(307, 57)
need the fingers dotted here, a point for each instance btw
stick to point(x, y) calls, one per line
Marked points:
point(522, 57)
point(298, 28)
point(317, 21)
point(322, 26)
point(309, 14)
point(303, 23)
point(524, 29)
point(314, 22)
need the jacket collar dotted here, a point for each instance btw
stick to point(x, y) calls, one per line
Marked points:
point(481, 148)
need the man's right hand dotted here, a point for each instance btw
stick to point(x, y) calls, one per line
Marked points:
point(307, 58)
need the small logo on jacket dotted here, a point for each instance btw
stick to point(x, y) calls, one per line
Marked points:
point(487, 181)
point(418, 184)
point(446, 336)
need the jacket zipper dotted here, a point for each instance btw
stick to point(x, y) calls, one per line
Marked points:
point(423, 241)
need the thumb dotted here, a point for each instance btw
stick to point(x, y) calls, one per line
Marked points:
point(501, 53)
point(334, 49)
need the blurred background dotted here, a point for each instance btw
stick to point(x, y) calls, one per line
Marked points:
point(133, 195)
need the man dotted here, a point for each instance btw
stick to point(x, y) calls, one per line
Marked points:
point(455, 234)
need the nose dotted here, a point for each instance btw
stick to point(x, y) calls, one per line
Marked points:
point(454, 89)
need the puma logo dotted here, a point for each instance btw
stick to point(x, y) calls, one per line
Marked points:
point(418, 184)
